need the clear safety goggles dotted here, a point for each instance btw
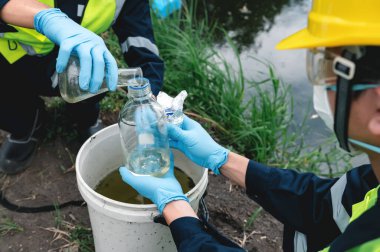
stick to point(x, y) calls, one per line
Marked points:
point(325, 65)
point(322, 66)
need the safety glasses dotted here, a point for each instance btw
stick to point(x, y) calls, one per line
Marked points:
point(320, 66)
point(325, 65)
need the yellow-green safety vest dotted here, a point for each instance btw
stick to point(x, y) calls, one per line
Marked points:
point(98, 16)
point(357, 210)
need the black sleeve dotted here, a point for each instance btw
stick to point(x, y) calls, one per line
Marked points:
point(135, 33)
point(189, 234)
point(316, 207)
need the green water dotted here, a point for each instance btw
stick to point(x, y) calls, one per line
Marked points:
point(113, 187)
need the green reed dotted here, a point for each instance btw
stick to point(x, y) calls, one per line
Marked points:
point(257, 126)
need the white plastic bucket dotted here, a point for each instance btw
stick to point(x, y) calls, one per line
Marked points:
point(118, 226)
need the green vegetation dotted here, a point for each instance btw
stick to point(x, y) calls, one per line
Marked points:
point(57, 216)
point(72, 237)
point(251, 117)
point(82, 236)
point(252, 218)
point(259, 126)
point(8, 226)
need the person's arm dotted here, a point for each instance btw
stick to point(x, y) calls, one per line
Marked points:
point(21, 12)
point(135, 33)
point(314, 210)
point(177, 209)
point(318, 208)
point(235, 168)
point(71, 38)
point(188, 231)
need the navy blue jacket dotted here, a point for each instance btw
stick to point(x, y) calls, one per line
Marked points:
point(314, 210)
point(135, 21)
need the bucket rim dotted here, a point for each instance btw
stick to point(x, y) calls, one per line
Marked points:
point(116, 203)
point(92, 191)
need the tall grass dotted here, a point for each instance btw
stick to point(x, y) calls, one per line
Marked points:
point(257, 126)
point(7, 226)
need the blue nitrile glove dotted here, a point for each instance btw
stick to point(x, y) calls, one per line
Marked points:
point(94, 57)
point(197, 145)
point(160, 190)
point(163, 8)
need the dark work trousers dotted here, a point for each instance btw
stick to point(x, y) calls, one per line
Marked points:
point(27, 80)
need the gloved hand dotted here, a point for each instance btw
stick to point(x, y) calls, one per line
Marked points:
point(93, 54)
point(160, 190)
point(197, 145)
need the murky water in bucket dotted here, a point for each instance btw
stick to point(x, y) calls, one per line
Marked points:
point(113, 187)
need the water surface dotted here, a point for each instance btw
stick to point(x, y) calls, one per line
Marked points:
point(256, 27)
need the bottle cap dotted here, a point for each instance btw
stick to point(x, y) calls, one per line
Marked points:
point(138, 87)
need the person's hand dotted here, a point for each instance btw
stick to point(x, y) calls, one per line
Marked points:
point(197, 145)
point(160, 190)
point(94, 57)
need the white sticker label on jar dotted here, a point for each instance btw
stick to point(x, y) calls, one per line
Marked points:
point(146, 138)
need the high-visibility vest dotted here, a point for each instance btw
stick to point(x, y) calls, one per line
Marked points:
point(95, 15)
point(357, 210)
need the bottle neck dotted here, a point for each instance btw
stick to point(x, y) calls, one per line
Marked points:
point(125, 75)
point(140, 92)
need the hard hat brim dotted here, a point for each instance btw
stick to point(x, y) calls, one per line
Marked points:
point(303, 39)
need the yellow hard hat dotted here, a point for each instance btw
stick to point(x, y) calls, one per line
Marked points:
point(338, 23)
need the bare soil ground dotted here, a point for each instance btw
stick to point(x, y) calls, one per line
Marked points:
point(50, 179)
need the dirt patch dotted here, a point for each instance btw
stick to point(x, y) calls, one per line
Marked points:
point(51, 179)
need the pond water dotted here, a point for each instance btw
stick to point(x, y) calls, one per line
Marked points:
point(256, 26)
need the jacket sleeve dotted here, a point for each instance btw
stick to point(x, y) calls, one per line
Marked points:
point(135, 33)
point(314, 210)
point(190, 235)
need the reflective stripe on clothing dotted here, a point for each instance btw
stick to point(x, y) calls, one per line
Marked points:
point(139, 42)
point(300, 243)
point(362, 233)
point(119, 6)
point(340, 215)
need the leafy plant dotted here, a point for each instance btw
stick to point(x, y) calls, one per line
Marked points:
point(83, 237)
point(7, 226)
point(252, 218)
point(259, 125)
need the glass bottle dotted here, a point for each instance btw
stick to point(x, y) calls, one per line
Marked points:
point(68, 81)
point(144, 138)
